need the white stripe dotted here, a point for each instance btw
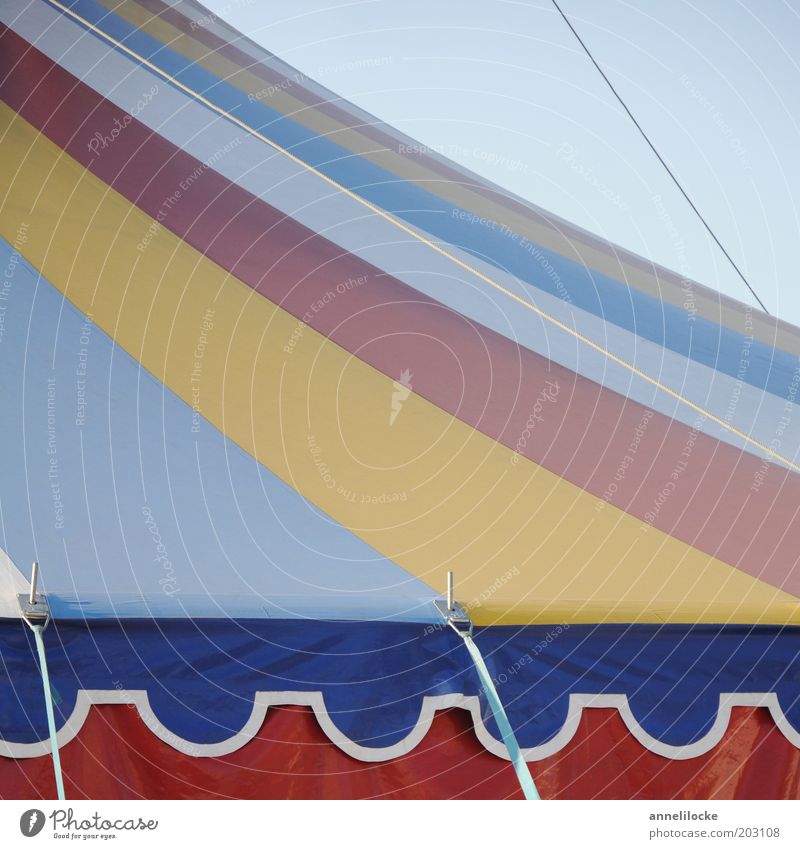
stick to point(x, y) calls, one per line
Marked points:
point(578, 702)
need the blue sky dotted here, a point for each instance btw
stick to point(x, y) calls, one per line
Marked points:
point(503, 87)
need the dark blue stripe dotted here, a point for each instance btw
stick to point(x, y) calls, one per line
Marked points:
point(201, 676)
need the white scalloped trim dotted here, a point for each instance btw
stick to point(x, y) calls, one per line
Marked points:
point(430, 704)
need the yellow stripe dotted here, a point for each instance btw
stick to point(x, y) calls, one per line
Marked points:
point(433, 246)
point(428, 491)
point(571, 245)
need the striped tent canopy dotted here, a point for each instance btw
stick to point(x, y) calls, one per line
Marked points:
point(271, 369)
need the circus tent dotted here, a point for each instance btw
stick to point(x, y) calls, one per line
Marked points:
point(272, 369)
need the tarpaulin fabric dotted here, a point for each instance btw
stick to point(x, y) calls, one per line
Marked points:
point(302, 266)
point(270, 369)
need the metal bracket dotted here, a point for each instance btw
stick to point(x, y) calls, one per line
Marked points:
point(38, 612)
point(452, 612)
point(33, 605)
point(456, 617)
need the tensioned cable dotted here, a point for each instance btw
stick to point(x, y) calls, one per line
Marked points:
point(660, 157)
point(424, 240)
point(48, 703)
point(524, 776)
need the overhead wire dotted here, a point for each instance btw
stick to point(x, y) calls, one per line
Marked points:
point(661, 159)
